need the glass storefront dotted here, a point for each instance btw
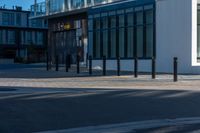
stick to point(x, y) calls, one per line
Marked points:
point(67, 37)
point(198, 32)
point(127, 32)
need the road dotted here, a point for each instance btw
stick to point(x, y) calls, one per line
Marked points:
point(63, 103)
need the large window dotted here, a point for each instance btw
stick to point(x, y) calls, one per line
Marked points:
point(77, 4)
point(8, 18)
point(198, 32)
point(149, 31)
point(39, 40)
point(105, 33)
point(97, 36)
point(18, 19)
point(130, 32)
point(113, 37)
point(121, 31)
point(56, 6)
point(139, 32)
point(11, 37)
point(1, 37)
point(7, 37)
point(126, 33)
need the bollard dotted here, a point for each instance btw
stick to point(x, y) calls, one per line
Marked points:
point(66, 64)
point(56, 62)
point(47, 65)
point(90, 65)
point(136, 67)
point(78, 64)
point(153, 68)
point(118, 66)
point(69, 59)
point(175, 69)
point(104, 65)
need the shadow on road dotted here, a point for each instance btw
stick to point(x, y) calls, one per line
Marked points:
point(55, 109)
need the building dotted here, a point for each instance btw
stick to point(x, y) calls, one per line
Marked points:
point(129, 29)
point(21, 38)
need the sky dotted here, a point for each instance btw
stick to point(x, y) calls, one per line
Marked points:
point(24, 3)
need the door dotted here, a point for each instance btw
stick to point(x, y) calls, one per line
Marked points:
point(65, 42)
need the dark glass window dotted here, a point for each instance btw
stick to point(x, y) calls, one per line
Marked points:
point(139, 18)
point(198, 32)
point(130, 19)
point(97, 23)
point(149, 40)
point(1, 36)
point(90, 41)
point(121, 43)
point(121, 21)
point(113, 21)
point(18, 19)
point(149, 16)
point(139, 41)
point(11, 37)
point(90, 24)
point(130, 33)
point(8, 18)
point(105, 22)
point(98, 45)
point(113, 43)
point(126, 33)
point(105, 34)
point(105, 43)
point(149, 32)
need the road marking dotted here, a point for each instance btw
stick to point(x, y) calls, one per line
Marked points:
point(131, 126)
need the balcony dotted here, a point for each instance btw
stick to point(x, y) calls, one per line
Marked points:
point(51, 7)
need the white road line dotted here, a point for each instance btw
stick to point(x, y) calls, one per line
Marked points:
point(127, 127)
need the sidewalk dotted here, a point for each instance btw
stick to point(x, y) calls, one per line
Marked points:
point(39, 77)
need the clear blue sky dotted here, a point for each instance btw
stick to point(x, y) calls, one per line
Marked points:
point(24, 3)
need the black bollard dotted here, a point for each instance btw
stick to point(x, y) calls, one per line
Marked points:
point(136, 67)
point(175, 69)
point(118, 66)
point(104, 65)
point(153, 68)
point(47, 65)
point(66, 64)
point(57, 63)
point(78, 64)
point(90, 65)
point(68, 61)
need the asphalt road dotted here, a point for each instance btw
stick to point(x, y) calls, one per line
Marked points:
point(194, 128)
point(30, 102)
point(43, 111)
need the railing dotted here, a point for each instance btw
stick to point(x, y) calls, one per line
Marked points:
point(50, 7)
point(38, 10)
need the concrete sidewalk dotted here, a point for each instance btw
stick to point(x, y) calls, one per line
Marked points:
point(37, 76)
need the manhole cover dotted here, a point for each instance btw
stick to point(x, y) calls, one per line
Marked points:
point(7, 89)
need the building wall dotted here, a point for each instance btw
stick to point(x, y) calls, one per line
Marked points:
point(23, 18)
point(21, 37)
point(176, 36)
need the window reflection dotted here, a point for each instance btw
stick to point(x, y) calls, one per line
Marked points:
point(127, 33)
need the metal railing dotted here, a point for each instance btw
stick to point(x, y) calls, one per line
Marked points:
point(50, 7)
